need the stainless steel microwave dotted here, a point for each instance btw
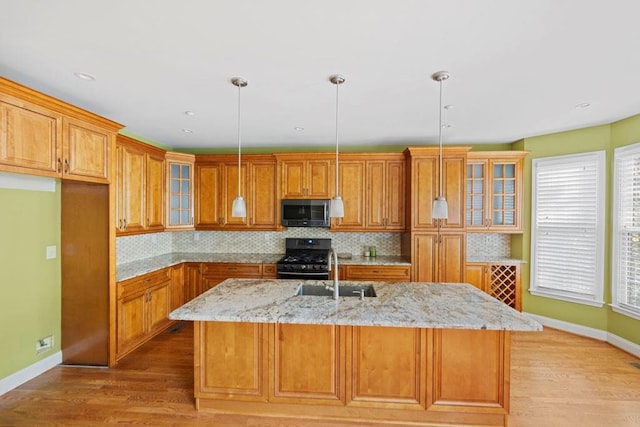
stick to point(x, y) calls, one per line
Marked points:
point(305, 213)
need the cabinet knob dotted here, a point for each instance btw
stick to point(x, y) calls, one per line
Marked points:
point(66, 166)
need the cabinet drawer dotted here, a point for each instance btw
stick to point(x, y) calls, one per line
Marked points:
point(219, 269)
point(269, 271)
point(379, 273)
point(140, 284)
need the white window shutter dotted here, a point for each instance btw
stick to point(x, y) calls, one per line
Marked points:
point(567, 253)
point(626, 231)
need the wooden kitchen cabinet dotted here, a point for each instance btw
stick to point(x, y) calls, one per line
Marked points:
point(304, 175)
point(40, 135)
point(215, 272)
point(372, 187)
point(142, 309)
point(381, 273)
point(438, 257)
point(140, 189)
point(494, 191)
point(177, 290)
point(308, 364)
point(501, 281)
point(179, 190)
point(352, 190)
point(424, 186)
point(385, 190)
point(216, 180)
point(192, 282)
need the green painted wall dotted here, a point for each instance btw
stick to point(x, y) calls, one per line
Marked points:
point(29, 283)
point(605, 137)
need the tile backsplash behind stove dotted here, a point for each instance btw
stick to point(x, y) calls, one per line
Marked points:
point(133, 248)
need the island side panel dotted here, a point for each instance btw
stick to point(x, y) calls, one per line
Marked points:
point(386, 367)
point(470, 370)
point(230, 361)
point(308, 364)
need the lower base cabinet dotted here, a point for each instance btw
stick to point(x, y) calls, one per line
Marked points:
point(501, 281)
point(143, 307)
point(384, 374)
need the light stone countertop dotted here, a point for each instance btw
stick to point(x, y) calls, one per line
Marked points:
point(410, 304)
point(147, 265)
point(495, 260)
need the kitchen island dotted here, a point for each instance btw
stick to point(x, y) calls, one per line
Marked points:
point(420, 353)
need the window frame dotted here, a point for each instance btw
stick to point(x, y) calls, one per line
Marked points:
point(618, 153)
point(596, 299)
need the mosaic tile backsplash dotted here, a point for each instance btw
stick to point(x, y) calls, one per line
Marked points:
point(133, 248)
point(488, 245)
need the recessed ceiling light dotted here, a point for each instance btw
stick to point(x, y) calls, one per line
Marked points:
point(187, 131)
point(448, 107)
point(85, 76)
point(298, 128)
point(189, 113)
point(583, 105)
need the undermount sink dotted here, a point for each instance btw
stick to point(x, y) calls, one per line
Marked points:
point(345, 291)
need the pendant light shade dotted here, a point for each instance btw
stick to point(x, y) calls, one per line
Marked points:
point(440, 209)
point(239, 207)
point(337, 206)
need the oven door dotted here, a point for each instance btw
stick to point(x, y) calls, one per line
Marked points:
point(309, 275)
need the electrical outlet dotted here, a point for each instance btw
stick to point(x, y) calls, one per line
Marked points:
point(363, 239)
point(44, 344)
point(196, 236)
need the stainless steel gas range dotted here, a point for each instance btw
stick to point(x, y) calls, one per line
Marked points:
point(305, 259)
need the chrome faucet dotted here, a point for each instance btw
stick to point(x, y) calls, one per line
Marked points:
point(336, 291)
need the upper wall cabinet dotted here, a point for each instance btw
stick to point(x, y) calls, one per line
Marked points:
point(372, 187)
point(140, 188)
point(40, 135)
point(423, 177)
point(304, 175)
point(180, 190)
point(494, 188)
point(216, 183)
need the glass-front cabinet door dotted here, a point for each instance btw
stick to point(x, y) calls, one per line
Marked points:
point(494, 191)
point(180, 185)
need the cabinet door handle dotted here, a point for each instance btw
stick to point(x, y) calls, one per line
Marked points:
point(66, 166)
point(148, 222)
point(59, 165)
point(124, 224)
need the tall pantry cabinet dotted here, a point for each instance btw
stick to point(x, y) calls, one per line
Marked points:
point(437, 248)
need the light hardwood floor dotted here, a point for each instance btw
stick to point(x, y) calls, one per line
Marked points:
point(557, 379)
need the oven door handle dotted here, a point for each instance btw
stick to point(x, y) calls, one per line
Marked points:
point(297, 273)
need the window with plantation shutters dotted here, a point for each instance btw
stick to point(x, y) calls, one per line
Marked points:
point(625, 282)
point(567, 221)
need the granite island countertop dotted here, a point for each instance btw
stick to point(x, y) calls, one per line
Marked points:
point(147, 265)
point(409, 304)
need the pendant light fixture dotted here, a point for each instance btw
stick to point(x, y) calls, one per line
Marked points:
point(239, 208)
point(440, 209)
point(337, 206)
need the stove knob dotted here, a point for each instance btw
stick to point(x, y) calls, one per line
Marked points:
point(303, 266)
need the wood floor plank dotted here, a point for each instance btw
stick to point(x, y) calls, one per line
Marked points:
point(557, 380)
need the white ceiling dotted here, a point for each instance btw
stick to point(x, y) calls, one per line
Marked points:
point(518, 68)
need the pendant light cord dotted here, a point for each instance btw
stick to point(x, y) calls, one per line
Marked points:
point(337, 169)
point(239, 137)
point(440, 135)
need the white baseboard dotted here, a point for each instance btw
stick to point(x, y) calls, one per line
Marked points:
point(586, 331)
point(30, 372)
